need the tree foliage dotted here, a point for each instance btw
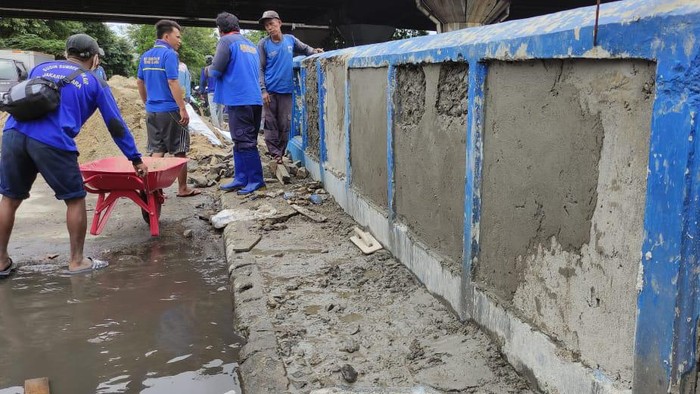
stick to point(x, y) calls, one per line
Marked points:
point(254, 35)
point(49, 36)
point(401, 34)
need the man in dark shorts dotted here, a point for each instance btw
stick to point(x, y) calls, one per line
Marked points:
point(46, 146)
point(235, 68)
point(166, 115)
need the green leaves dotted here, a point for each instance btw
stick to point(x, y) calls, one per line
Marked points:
point(49, 36)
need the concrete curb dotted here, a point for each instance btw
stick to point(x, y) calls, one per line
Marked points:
point(252, 321)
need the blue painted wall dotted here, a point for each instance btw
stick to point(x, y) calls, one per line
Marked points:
point(664, 31)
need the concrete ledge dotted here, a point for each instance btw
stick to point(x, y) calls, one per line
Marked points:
point(253, 322)
point(531, 352)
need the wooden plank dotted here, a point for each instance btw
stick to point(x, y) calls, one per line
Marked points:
point(240, 237)
point(37, 386)
point(280, 171)
point(316, 217)
point(282, 174)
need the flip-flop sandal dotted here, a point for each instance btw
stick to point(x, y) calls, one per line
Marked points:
point(194, 192)
point(8, 271)
point(96, 265)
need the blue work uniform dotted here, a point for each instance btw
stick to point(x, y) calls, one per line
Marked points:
point(46, 145)
point(276, 63)
point(236, 69)
point(158, 65)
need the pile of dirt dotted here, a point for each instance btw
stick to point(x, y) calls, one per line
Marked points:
point(94, 141)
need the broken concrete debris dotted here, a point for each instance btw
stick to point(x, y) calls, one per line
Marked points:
point(349, 373)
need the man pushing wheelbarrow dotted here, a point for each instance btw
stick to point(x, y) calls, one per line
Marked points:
point(39, 138)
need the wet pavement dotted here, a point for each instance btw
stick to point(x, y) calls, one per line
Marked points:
point(157, 320)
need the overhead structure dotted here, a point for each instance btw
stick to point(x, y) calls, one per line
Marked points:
point(359, 21)
point(449, 15)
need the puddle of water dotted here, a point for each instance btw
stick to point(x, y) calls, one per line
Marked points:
point(142, 325)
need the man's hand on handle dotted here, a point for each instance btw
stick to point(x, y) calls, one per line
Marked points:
point(266, 98)
point(141, 169)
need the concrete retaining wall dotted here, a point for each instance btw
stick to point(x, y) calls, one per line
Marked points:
point(543, 187)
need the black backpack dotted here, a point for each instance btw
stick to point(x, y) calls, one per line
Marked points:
point(36, 97)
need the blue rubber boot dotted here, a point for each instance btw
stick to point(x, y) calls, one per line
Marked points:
point(240, 179)
point(254, 171)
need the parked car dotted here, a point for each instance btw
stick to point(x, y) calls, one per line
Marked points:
point(12, 72)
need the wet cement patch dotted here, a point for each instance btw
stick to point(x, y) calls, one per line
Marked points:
point(312, 114)
point(157, 320)
point(368, 142)
point(319, 308)
point(430, 145)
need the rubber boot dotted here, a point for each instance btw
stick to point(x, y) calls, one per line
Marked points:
point(254, 171)
point(240, 179)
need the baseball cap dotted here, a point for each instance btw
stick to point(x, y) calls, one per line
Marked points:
point(82, 45)
point(269, 14)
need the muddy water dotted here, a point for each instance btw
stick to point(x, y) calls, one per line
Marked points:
point(158, 320)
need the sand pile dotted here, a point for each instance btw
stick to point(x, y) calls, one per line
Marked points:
point(94, 141)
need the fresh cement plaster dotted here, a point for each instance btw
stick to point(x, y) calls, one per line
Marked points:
point(368, 140)
point(430, 122)
point(312, 128)
point(566, 148)
point(335, 115)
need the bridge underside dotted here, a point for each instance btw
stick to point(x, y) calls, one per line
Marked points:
point(396, 13)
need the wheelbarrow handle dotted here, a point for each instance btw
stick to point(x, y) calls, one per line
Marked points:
point(86, 181)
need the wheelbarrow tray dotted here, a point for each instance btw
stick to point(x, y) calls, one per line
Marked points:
point(117, 173)
point(114, 177)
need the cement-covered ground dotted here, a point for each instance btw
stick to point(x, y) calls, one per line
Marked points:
point(316, 311)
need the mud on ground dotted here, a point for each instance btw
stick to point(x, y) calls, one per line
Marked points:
point(335, 312)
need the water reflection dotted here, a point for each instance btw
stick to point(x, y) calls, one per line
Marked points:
point(142, 325)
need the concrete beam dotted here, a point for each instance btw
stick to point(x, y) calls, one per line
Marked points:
point(451, 15)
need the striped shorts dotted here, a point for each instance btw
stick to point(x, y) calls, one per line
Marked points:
point(165, 134)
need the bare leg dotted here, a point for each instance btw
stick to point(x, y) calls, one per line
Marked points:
point(76, 221)
point(8, 208)
point(182, 189)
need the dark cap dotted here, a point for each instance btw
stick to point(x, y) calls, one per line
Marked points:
point(227, 22)
point(82, 45)
point(269, 14)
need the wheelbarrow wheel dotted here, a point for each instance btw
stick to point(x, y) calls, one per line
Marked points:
point(144, 213)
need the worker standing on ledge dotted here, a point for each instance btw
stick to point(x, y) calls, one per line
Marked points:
point(277, 81)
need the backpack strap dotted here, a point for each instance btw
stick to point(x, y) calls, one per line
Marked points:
point(68, 79)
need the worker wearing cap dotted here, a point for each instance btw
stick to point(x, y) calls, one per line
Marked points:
point(277, 80)
point(207, 85)
point(46, 146)
point(235, 67)
point(160, 91)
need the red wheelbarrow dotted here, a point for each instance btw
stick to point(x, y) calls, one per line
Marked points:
point(114, 177)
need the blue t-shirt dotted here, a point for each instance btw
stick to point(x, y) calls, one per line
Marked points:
point(100, 72)
point(79, 100)
point(235, 68)
point(185, 80)
point(158, 65)
point(277, 62)
point(207, 84)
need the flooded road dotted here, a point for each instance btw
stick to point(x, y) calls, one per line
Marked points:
point(157, 320)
